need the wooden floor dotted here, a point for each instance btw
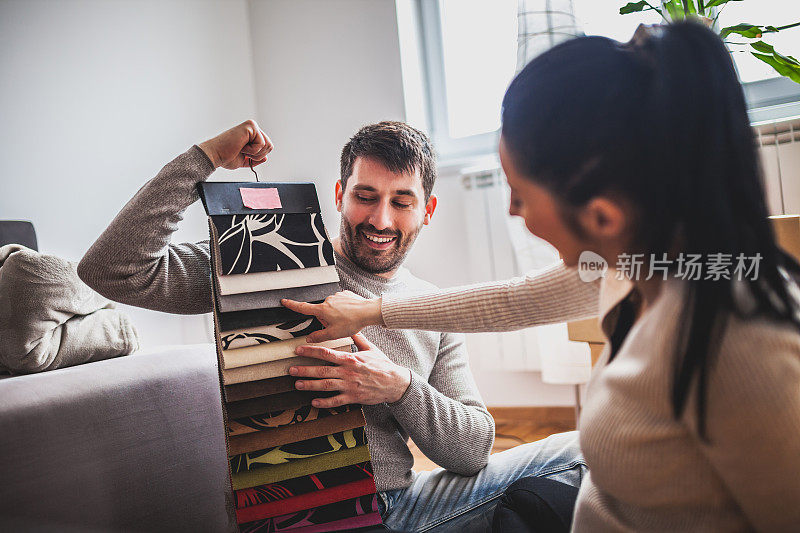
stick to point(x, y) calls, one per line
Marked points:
point(514, 426)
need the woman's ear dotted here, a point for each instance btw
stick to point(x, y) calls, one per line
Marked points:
point(604, 218)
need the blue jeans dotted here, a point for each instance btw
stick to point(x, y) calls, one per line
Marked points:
point(440, 501)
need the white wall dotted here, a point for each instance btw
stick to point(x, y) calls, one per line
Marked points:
point(97, 96)
point(322, 69)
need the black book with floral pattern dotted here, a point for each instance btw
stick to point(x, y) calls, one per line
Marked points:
point(269, 242)
point(298, 450)
point(274, 332)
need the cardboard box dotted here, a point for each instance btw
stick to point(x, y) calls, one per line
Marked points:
point(585, 331)
point(787, 233)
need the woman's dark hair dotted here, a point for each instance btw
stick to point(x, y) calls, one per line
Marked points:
point(662, 122)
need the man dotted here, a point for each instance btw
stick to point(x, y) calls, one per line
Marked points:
point(412, 383)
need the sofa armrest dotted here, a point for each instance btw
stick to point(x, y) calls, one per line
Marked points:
point(135, 443)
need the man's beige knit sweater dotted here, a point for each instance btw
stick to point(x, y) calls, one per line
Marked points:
point(134, 262)
point(648, 471)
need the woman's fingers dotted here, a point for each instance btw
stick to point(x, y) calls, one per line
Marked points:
point(304, 308)
point(327, 334)
point(343, 314)
point(319, 311)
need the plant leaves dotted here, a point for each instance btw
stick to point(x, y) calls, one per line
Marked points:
point(634, 7)
point(675, 10)
point(761, 46)
point(751, 31)
point(789, 71)
point(765, 48)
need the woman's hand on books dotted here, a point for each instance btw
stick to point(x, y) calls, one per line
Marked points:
point(343, 314)
point(238, 147)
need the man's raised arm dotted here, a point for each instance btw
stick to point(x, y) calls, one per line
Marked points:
point(133, 261)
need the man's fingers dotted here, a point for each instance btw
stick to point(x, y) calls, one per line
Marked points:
point(259, 139)
point(320, 352)
point(320, 384)
point(362, 343)
point(265, 149)
point(334, 401)
point(258, 143)
point(313, 371)
point(268, 146)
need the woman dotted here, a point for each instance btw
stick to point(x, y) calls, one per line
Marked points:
point(692, 417)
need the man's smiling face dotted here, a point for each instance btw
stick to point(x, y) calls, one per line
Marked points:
point(382, 214)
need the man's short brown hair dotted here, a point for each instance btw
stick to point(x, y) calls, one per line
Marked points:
point(397, 146)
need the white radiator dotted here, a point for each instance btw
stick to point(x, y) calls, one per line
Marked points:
point(780, 158)
point(500, 247)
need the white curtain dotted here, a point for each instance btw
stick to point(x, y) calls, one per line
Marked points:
point(542, 24)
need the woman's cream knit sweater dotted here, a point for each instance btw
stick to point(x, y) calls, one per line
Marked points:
point(649, 471)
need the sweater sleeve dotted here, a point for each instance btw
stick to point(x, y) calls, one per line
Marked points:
point(753, 422)
point(133, 261)
point(554, 295)
point(445, 415)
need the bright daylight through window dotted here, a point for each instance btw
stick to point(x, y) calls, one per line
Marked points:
point(479, 48)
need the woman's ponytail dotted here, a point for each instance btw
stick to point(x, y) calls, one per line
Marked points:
point(662, 121)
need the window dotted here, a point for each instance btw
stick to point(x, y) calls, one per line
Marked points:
point(769, 96)
point(774, 12)
point(469, 55)
point(763, 87)
point(470, 51)
point(479, 49)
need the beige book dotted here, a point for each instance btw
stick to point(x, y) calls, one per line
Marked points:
point(273, 351)
point(280, 279)
point(267, 370)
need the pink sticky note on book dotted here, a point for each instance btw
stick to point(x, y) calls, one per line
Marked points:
point(261, 198)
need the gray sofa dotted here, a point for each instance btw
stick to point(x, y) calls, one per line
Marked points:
point(128, 444)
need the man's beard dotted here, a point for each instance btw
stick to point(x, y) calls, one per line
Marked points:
point(368, 259)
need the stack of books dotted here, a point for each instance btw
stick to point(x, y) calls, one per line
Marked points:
point(294, 467)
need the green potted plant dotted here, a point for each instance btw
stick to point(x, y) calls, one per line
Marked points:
point(747, 35)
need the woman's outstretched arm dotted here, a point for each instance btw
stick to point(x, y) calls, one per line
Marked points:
point(554, 295)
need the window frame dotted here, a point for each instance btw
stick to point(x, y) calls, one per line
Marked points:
point(768, 100)
point(772, 100)
point(449, 148)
